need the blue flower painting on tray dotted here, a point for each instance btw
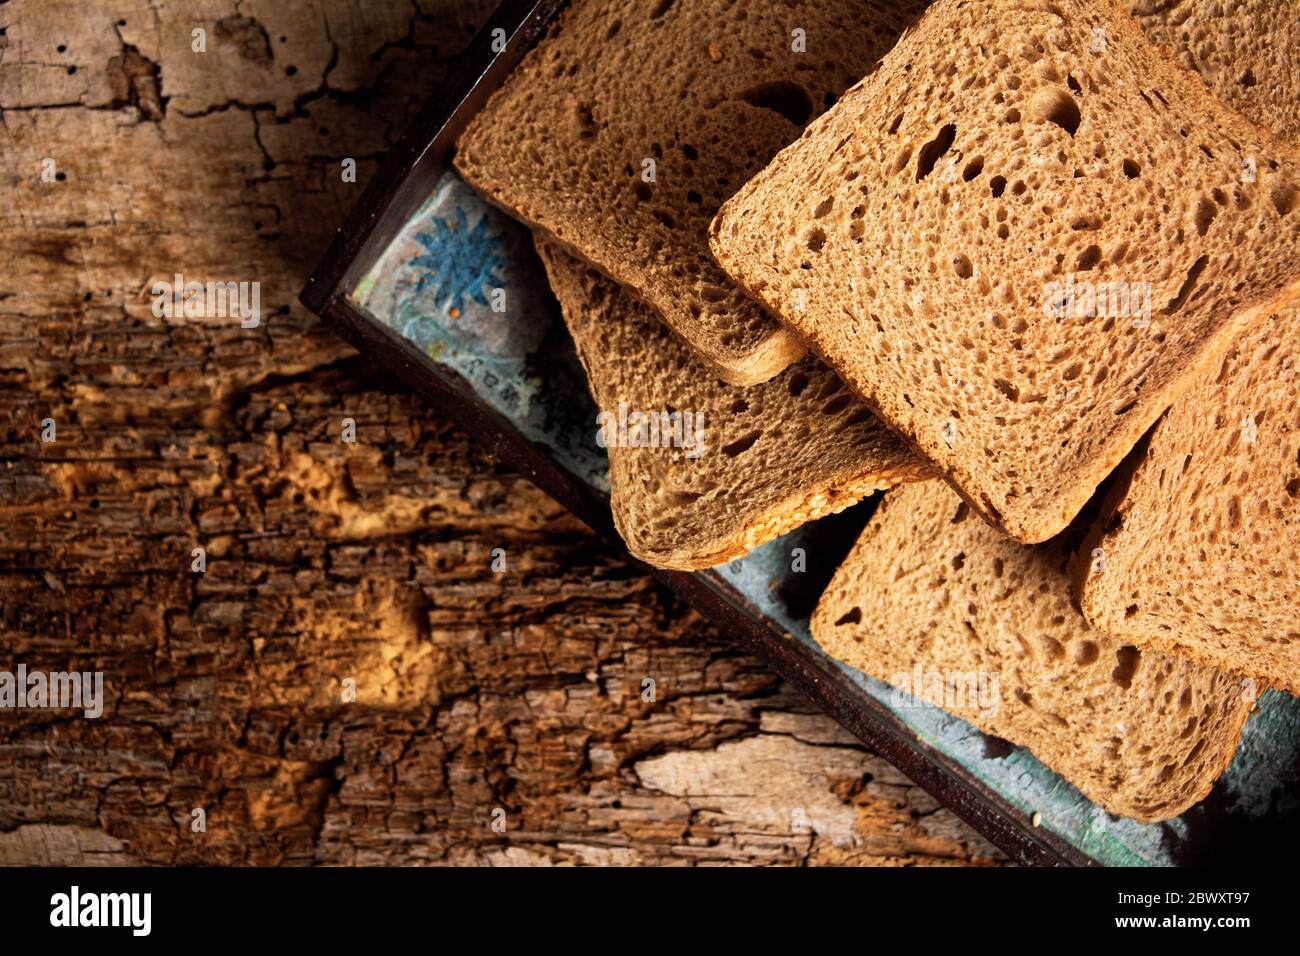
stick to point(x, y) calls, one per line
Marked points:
point(463, 283)
point(460, 261)
point(462, 268)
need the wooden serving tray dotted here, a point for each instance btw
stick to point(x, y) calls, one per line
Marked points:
point(403, 282)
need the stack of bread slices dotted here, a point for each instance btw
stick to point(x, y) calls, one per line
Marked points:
point(1034, 266)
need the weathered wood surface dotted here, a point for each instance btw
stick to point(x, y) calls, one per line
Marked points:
point(475, 690)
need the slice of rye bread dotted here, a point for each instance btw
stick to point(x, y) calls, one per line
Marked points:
point(707, 89)
point(932, 597)
point(773, 456)
point(923, 234)
point(1247, 51)
point(1199, 537)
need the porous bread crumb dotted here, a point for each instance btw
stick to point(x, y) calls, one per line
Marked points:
point(1139, 732)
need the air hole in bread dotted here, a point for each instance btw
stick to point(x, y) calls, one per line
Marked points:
point(898, 121)
point(1085, 652)
point(961, 265)
point(798, 382)
point(851, 616)
point(934, 150)
point(963, 510)
point(1205, 213)
point(1088, 222)
point(586, 122)
point(973, 168)
point(1073, 84)
point(1234, 511)
point(781, 96)
point(662, 7)
point(1193, 274)
point(1293, 487)
point(643, 191)
point(1131, 169)
point(836, 404)
point(816, 240)
point(1089, 258)
point(1055, 105)
point(1007, 389)
point(902, 159)
point(860, 417)
point(824, 207)
point(1128, 657)
point(741, 445)
point(959, 561)
point(1284, 198)
point(1247, 79)
point(693, 197)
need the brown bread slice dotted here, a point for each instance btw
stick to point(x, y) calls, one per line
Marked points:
point(773, 456)
point(912, 233)
point(1247, 51)
point(929, 585)
point(1200, 537)
point(707, 89)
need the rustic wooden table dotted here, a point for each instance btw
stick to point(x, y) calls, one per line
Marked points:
point(130, 156)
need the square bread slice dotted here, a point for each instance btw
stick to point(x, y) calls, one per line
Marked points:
point(1247, 51)
point(1020, 240)
point(1199, 539)
point(695, 95)
point(756, 463)
point(936, 603)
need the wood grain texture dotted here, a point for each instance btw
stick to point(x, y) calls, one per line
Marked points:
point(476, 690)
